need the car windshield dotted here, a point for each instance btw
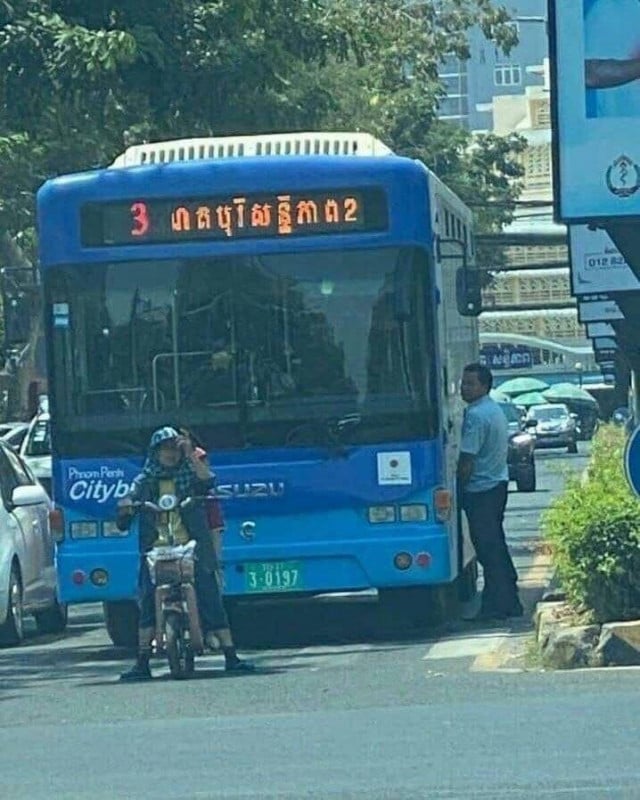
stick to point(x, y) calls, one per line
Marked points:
point(271, 350)
point(39, 440)
point(548, 414)
point(511, 412)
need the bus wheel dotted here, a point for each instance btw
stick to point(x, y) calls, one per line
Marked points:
point(468, 582)
point(418, 606)
point(54, 619)
point(121, 619)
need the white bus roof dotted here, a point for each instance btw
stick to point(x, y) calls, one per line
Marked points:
point(269, 144)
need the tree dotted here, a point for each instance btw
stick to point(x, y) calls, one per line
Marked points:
point(81, 80)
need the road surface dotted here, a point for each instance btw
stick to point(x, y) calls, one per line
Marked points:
point(337, 709)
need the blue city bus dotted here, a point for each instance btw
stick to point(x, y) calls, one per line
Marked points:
point(303, 303)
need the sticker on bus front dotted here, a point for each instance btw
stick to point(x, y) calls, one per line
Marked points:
point(394, 469)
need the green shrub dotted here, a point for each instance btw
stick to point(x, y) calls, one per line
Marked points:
point(593, 529)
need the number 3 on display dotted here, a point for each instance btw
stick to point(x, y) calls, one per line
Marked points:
point(140, 219)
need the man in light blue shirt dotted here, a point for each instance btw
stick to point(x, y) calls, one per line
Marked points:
point(483, 477)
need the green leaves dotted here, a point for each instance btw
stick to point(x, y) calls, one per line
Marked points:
point(80, 81)
point(594, 531)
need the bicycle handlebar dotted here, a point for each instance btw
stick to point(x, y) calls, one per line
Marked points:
point(147, 505)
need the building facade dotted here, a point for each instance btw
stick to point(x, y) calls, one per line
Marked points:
point(534, 327)
point(471, 85)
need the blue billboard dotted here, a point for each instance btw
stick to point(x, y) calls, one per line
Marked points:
point(506, 356)
point(595, 70)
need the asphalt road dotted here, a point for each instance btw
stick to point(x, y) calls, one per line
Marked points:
point(337, 709)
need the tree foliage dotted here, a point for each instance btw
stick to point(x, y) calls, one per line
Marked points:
point(593, 528)
point(80, 80)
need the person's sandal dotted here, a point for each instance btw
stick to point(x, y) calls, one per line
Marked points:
point(238, 665)
point(138, 672)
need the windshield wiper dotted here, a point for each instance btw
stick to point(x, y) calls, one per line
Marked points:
point(332, 430)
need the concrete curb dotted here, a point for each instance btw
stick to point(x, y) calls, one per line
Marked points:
point(565, 643)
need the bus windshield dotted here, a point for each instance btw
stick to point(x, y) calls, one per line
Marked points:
point(266, 351)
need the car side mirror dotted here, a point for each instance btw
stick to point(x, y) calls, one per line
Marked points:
point(29, 496)
point(468, 292)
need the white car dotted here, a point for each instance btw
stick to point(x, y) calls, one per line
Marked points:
point(28, 582)
point(36, 449)
point(13, 433)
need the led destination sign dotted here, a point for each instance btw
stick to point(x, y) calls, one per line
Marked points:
point(259, 216)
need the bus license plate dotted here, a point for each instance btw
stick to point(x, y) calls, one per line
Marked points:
point(273, 576)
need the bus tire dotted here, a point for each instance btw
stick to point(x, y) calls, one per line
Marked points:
point(121, 620)
point(418, 606)
point(53, 620)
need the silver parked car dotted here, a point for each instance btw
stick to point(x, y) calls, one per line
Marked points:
point(27, 553)
point(13, 433)
point(36, 449)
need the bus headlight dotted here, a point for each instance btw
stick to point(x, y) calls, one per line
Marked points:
point(99, 577)
point(110, 529)
point(83, 530)
point(417, 512)
point(381, 514)
point(402, 561)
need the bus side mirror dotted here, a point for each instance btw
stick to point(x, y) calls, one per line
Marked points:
point(468, 292)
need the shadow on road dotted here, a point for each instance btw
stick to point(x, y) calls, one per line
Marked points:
point(83, 657)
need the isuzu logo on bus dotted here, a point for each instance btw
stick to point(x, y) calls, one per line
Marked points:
point(256, 489)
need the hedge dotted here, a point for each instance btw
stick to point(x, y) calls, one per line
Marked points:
point(593, 529)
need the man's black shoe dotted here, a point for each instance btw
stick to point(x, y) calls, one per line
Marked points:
point(140, 671)
point(489, 615)
point(517, 610)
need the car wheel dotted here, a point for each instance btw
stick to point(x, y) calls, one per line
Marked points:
point(12, 629)
point(526, 478)
point(54, 619)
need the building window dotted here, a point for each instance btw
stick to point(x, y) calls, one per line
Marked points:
point(507, 75)
point(455, 106)
point(537, 167)
point(452, 65)
point(537, 255)
point(543, 116)
point(454, 84)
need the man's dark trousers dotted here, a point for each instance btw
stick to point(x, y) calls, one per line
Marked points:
point(485, 512)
